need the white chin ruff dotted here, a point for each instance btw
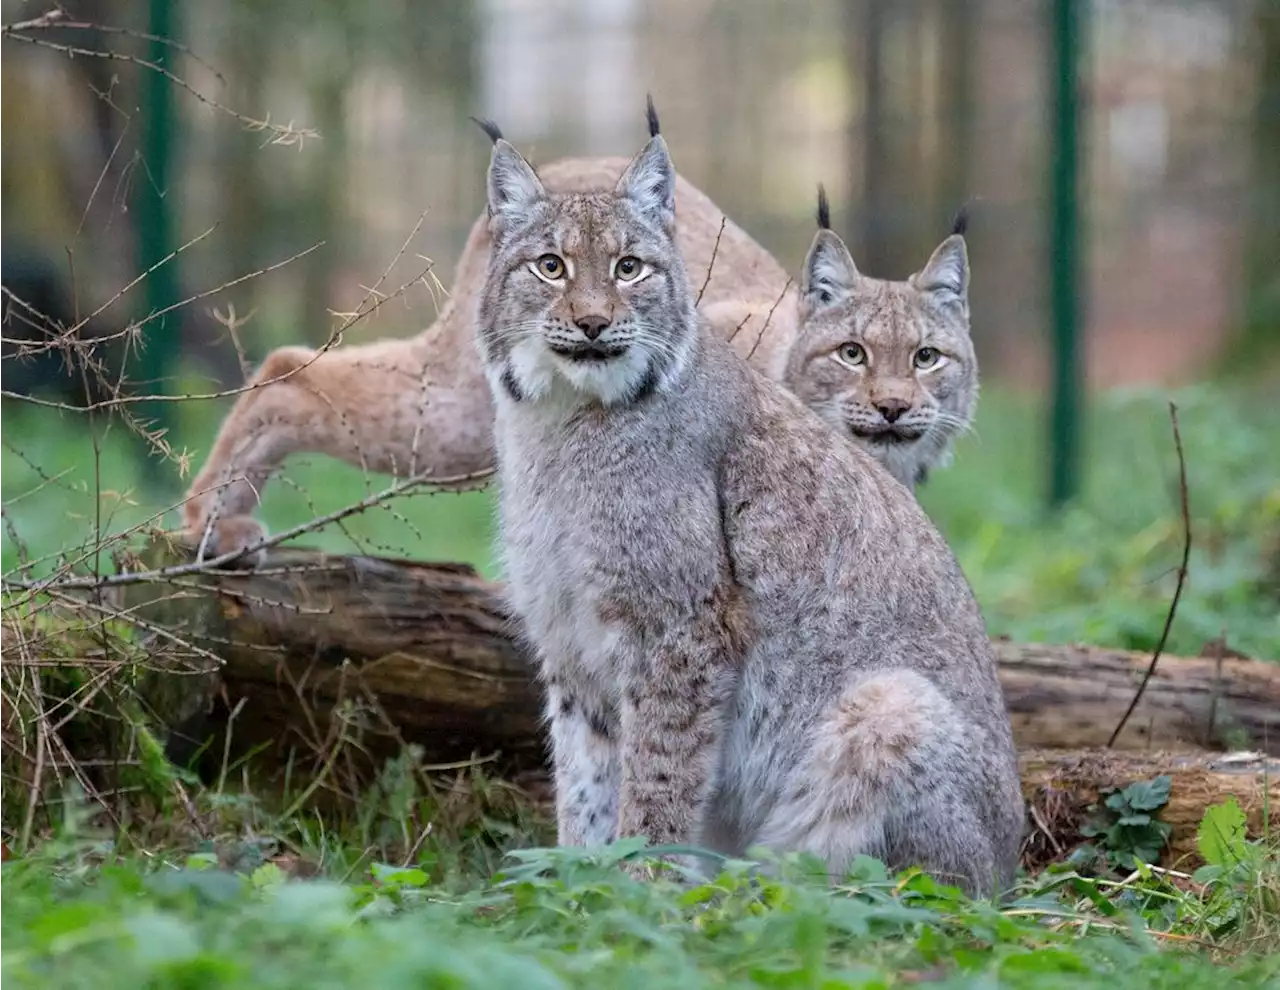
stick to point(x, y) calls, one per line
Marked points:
point(539, 373)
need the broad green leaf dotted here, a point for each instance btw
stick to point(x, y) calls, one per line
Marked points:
point(1148, 795)
point(1221, 835)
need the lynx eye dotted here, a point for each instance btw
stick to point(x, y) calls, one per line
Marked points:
point(628, 269)
point(550, 267)
point(926, 358)
point(852, 354)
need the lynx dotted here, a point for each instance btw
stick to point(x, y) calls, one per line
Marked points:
point(419, 406)
point(889, 363)
point(749, 635)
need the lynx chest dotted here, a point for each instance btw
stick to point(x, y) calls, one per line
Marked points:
point(606, 535)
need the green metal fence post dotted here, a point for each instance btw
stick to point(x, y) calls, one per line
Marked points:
point(155, 223)
point(1065, 293)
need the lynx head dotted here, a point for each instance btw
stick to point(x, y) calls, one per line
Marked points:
point(586, 295)
point(890, 363)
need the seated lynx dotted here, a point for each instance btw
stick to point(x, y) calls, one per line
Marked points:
point(749, 635)
point(850, 346)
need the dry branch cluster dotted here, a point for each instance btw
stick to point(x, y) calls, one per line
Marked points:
point(90, 684)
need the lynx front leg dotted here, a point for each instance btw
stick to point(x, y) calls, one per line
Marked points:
point(585, 756)
point(673, 725)
point(380, 407)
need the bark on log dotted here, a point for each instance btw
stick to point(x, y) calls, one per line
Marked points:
point(409, 652)
point(340, 658)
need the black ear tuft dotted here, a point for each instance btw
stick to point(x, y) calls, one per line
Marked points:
point(489, 127)
point(960, 225)
point(824, 209)
point(651, 114)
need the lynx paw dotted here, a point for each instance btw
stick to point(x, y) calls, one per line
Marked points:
point(225, 536)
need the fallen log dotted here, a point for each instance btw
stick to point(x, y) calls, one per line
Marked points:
point(433, 644)
point(326, 653)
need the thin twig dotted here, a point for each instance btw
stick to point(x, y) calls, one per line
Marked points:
point(769, 319)
point(738, 329)
point(715, 249)
point(140, 577)
point(33, 794)
point(286, 134)
point(1182, 575)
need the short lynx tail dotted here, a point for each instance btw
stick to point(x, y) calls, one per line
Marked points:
point(489, 127)
point(652, 114)
point(824, 208)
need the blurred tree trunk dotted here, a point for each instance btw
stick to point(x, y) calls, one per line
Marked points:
point(243, 198)
point(866, 48)
point(957, 44)
point(441, 56)
point(110, 231)
point(1260, 321)
point(107, 86)
point(324, 210)
point(885, 136)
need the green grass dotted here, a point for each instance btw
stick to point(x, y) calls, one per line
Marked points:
point(1101, 572)
point(75, 915)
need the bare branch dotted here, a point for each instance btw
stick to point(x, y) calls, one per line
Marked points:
point(1182, 577)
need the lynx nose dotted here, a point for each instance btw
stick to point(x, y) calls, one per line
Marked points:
point(592, 326)
point(891, 409)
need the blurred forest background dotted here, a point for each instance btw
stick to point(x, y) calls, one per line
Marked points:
point(904, 108)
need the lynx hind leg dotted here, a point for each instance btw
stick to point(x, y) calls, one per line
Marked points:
point(886, 778)
point(588, 771)
point(363, 405)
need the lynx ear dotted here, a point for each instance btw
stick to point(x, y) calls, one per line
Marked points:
point(514, 187)
point(947, 272)
point(650, 183)
point(829, 272)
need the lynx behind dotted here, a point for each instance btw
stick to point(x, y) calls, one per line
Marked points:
point(889, 363)
point(749, 634)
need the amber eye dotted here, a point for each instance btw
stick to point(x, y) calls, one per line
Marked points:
point(852, 354)
point(628, 269)
point(551, 267)
point(926, 358)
